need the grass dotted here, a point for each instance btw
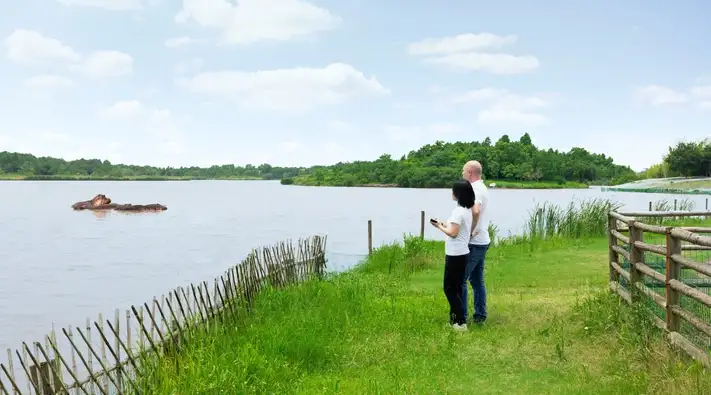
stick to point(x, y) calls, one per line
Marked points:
point(696, 184)
point(688, 186)
point(503, 184)
point(552, 329)
point(381, 328)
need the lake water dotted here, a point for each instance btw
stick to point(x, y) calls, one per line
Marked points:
point(60, 266)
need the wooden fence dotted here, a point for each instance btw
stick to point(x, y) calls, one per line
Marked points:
point(66, 362)
point(668, 269)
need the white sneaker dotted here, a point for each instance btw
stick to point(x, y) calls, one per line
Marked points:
point(460, 327)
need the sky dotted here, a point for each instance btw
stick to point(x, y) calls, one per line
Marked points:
point(304, 82)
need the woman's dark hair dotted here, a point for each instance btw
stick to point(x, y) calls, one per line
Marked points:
point(464, 193)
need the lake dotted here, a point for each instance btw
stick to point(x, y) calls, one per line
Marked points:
point(61, 266)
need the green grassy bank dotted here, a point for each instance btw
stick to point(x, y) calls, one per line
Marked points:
point(381, 328)
point(689, 186)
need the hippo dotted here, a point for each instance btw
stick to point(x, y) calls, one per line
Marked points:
point(97, 201)
point(102, 202)
point(140, 207)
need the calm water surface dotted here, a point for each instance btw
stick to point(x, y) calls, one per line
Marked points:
point(60, 266)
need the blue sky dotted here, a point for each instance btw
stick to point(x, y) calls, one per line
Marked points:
point(296, 82)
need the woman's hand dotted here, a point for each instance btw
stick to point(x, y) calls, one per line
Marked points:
point(450, 230)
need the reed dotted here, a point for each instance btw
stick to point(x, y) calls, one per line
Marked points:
point(587, 218)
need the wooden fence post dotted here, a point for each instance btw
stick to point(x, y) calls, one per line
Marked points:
point(707, 204)
point(636, 255)
point(422, 224)
point(674, 204)
point(673, 272)
point(370, 237)
point(650, 206)
point(612, 241)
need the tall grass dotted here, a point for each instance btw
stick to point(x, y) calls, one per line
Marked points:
point(684, 204)
point(587, 218)
point(662, 205)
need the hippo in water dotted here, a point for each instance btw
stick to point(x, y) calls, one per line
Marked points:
point(98, 202)
point(102, 202)
point(140, 207)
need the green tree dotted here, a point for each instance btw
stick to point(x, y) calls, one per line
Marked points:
point(690, 159)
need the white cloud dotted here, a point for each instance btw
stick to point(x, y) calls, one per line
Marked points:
point(701, 92)
point(101, 64)
point(657, 95)
point(287, 90)
point(459, 43)
point(157, 123)
point(503, 106)
point(183, 41)
point(32, 48)
point(252, 21)
point(126, 109)
point(113, 5)
point(495, 63)
point(463, 52)
point(48, 82)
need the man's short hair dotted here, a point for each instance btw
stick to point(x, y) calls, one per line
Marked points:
point(474, 166)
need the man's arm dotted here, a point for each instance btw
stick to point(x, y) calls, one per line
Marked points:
point(476, 210)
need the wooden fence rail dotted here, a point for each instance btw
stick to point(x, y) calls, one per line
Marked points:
point(634, 274)
point(66, 362)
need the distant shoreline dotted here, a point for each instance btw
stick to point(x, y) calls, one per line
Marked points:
point(494, 184)
point(673, 185)
point(659, 190)
point(15, 177)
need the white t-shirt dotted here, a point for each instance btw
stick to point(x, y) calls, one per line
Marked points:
point(459, 245)
point(482, 198)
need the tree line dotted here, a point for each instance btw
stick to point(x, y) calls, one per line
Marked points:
point(685, 159)
point(32, 167)
point(433, 165)
point(437, 165)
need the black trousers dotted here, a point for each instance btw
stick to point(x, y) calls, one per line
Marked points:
point(454, 277)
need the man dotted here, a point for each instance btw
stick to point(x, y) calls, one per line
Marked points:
point(478, 243)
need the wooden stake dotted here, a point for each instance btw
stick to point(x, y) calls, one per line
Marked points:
point(422, 224)
point(370, 237)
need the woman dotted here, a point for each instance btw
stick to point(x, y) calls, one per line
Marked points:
point(456, 248)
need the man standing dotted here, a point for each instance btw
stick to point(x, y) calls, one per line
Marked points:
point(478, 243)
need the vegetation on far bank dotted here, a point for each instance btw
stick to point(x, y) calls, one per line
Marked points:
point(509, 164)
point(513, 164)
point(29, 167)
point(519, 163)
point(70, 177)
point(502, 184)
point(553, 327)
point(685, 159)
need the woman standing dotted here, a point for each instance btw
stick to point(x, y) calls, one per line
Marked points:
point(456, 248)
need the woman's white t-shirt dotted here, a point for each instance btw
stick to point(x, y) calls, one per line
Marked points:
point(459, 245)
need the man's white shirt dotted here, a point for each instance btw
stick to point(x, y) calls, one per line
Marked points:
point(482, 199)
